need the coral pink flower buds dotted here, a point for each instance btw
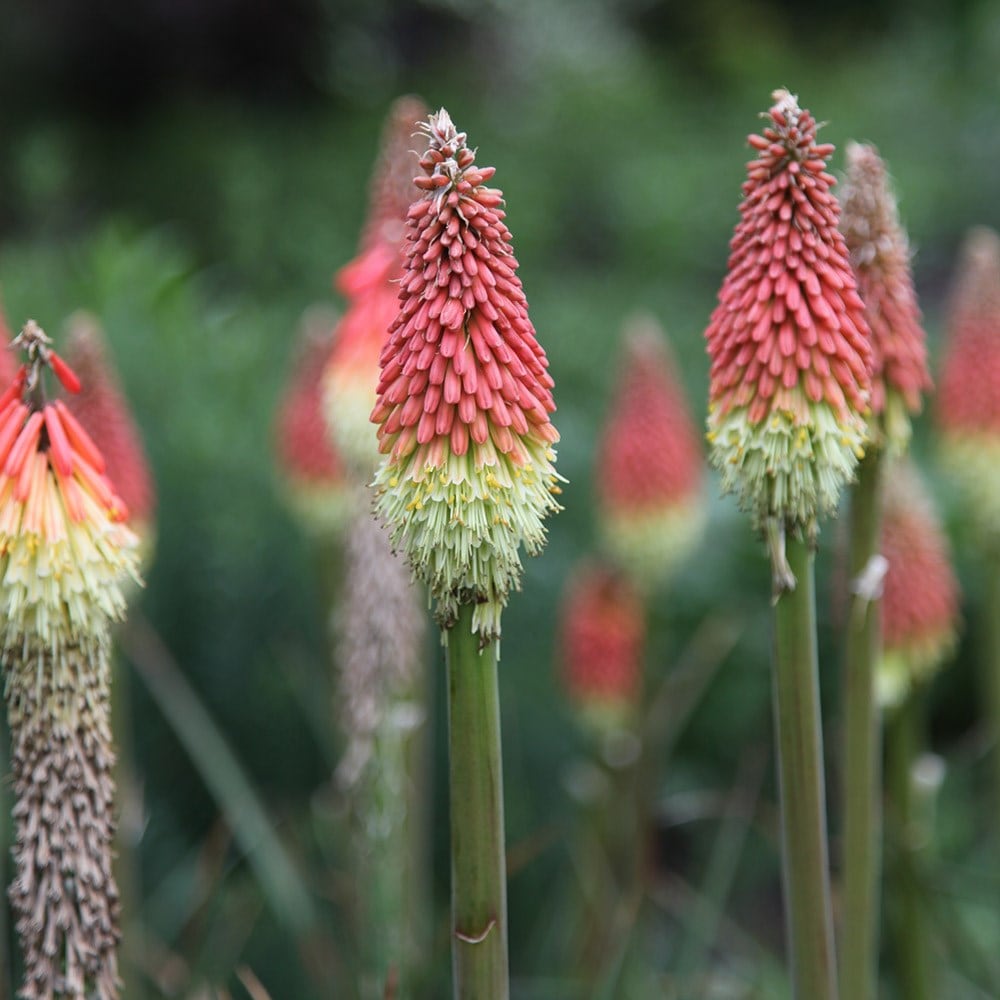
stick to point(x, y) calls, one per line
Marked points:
point(788, 341)
point(464, 395)
point(602, 632)
point(371, 285)
point(880, 255)
point(319, 490)
point(968, 409)
point(649, 463)
point(920, 597)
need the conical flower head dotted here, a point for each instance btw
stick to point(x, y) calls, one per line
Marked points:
point(65, 552)
point(649, 463)
point(920, 596)
point(370, 283)
point(602, 632)
point(319, 489)
point(968, 408)
point(791, 359)
point(464, 395)
point(880, 256)
point(104, 412)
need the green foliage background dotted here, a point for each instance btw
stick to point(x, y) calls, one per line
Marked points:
point(196, 183)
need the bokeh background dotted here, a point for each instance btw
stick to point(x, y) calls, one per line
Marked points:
point(194, 173)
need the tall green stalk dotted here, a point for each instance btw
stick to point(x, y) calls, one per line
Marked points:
point(910, 941)
point(992, 666)
point(800, 762)
point(859, 931)
point(478, 864)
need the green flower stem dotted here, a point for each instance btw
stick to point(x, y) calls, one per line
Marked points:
point(992, 665)
point(478, 864)
point(800, 762)
point(910, 943)
point(862, 839)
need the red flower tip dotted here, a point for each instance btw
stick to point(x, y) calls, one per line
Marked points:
point(101, 412)
point(881, 258)
point(788, 341)
point(920, 598)
point(649, 454)
point(602, 631)
point(969, 396)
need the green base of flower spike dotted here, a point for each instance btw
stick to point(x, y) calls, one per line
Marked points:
point(790, 465)
point(461, 525)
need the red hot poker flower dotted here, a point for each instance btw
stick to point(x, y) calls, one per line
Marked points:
point(968, 409)
point(649, 463)
point(464, 395)
point(791, 359)
point(370, 283)
point(601, 636)
point(880, 255)
point(319, 489)
point(920, 597)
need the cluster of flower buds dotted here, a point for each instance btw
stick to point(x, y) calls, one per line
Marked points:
point(880, 256)
point(788, 341)
point(920, 595)
point(464, 395)
point(968, 409)
point(649, 464)
point(602, 633)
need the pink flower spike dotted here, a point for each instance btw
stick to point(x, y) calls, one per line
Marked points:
point(461, 362)
point(59, 449)
point(602, 632)
point(649, 462)
point(79, 438)
point(880, 256)
point(968, 403)
point(920, 598)
point(790, 377)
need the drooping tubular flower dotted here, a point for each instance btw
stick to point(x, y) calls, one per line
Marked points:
point(920, 595)
point(65, 551)
point(968, 408)
point(880, 256)
point(649, 463)
point(602, 632)
point(104, 412)
point(464, 395)
point(370, 283)
point(790, 374)
point(319, 489)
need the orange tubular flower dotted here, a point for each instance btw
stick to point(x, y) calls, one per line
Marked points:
point(649, 463)
point(370, 283)
point(791, 359)
point(601, 636)
point(319, 489)
point(920, 598)
point(968, 408)
point(105, 414)
point(65, 552)
point(880, 255)
point(464, 395)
